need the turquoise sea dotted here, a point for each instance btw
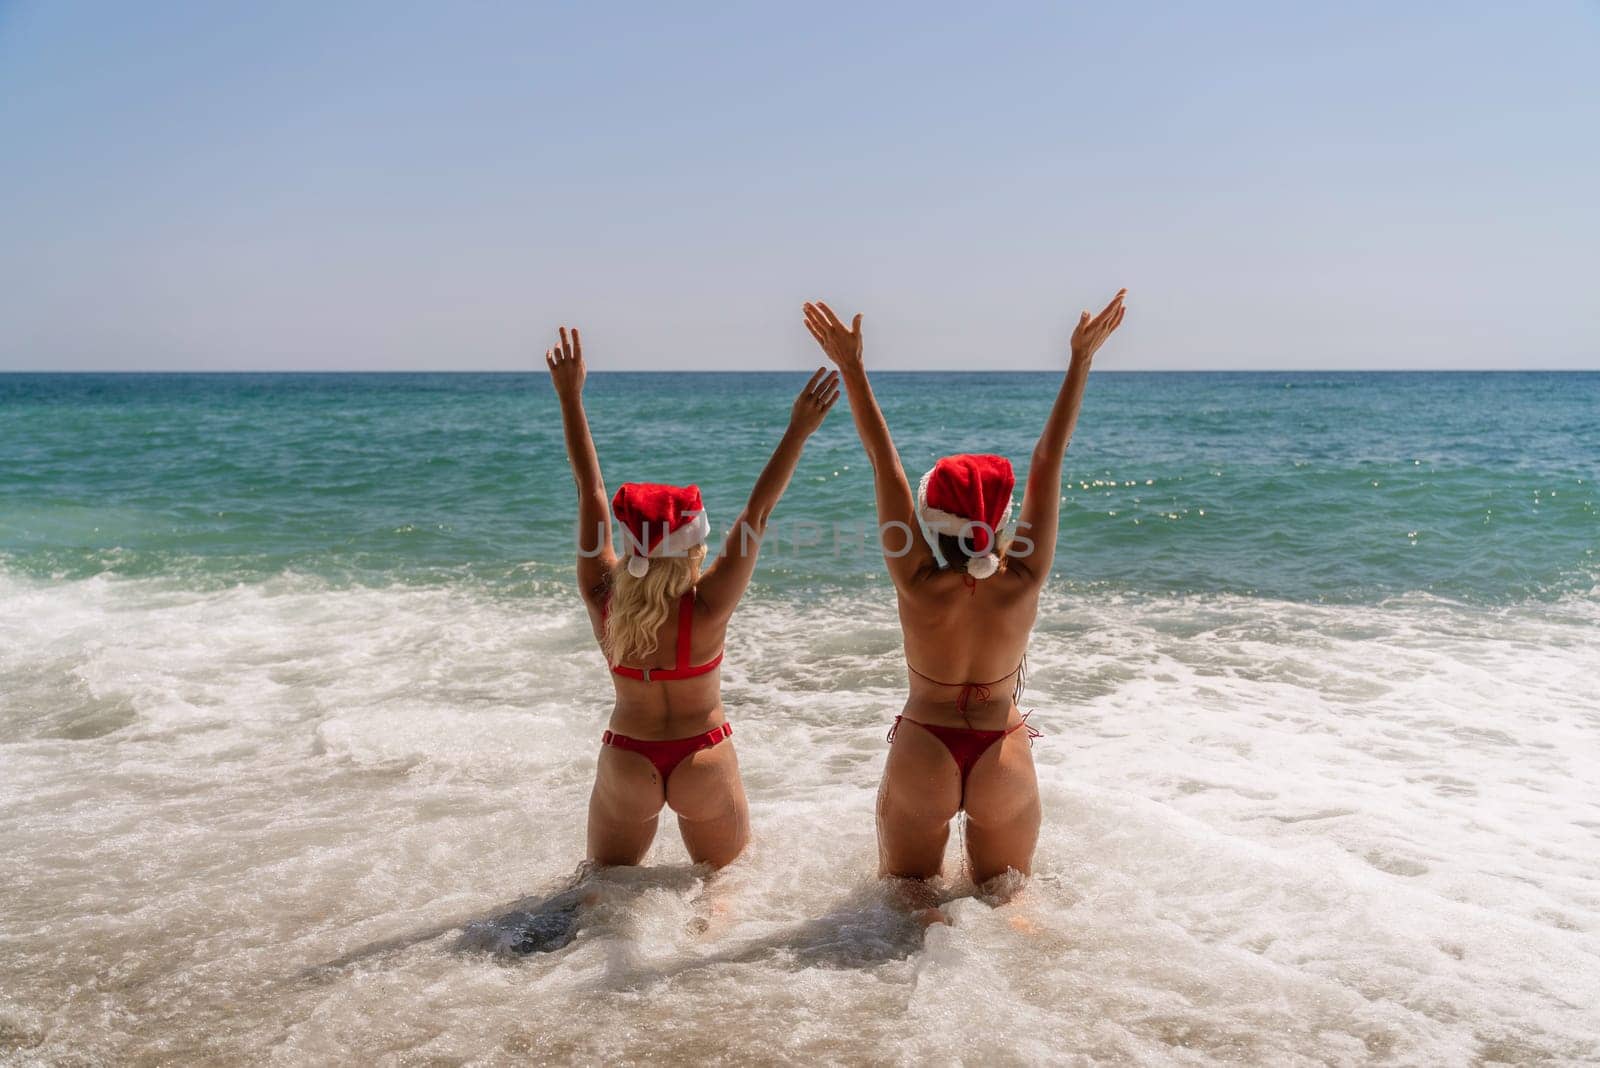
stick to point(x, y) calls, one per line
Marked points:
point(1305, 486)
point(295, 690)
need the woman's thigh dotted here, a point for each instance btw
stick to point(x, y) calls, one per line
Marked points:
point(920, 795)
point(708, 796)
point(623, 807)
point(1002, 803)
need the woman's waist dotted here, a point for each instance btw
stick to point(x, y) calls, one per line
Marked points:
point(998, 713)
point(964, 696)
point(654, 724)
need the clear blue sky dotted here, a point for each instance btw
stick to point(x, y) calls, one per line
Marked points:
point(341, 185)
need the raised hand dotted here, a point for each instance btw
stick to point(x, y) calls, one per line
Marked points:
point(565, 362)
point(811, 407)
point(596, 557)
point(841, 343)
point(1092, 333)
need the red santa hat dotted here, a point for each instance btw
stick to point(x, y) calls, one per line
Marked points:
point(658, 521)
point(967, 496)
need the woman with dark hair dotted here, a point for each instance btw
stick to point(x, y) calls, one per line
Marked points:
point(661, 620)
point(967, 602)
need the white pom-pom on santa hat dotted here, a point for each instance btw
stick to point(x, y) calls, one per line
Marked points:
point(981, 567)
point(967, 496)
point(658, 521)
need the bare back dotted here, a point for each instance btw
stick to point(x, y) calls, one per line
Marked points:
point(675, 708)
point(959, 630)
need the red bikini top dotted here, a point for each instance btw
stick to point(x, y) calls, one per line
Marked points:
point(681, 668)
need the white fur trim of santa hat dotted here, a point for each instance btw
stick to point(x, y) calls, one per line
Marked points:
point(675, 543)
point(936, 521)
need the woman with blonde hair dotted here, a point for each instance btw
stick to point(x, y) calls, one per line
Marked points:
point(967, 603)
point(661, 620)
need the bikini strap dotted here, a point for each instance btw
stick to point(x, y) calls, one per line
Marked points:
point(940, 682)
point(685, 631)
point(1033, 732)
point(969, 690)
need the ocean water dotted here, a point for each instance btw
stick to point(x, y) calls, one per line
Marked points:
point(299, 713)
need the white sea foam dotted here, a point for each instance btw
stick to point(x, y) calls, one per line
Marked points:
point(253, 825)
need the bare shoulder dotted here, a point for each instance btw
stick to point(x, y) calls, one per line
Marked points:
point(714, 596)
point(938, 582)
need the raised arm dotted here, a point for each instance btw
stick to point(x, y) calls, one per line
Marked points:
point(1041, 501)
point(596, 557)
point(904, 549)
point(724, 582)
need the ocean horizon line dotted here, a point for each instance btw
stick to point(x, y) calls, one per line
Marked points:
point(731, 372)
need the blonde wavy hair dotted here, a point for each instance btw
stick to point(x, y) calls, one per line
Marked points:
point(639, 606)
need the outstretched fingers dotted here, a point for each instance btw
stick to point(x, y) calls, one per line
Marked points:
point(571, 347)
point(816, 333)
point(1110, 317)
point(841, 343)
point(823, 318)
point(832, 319)
point(1115, 301)
point(822, 383)
point(1113, 320)
point(820, 328)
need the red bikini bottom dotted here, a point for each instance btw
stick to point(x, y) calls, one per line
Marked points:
point(667, 754)
point(965, 744)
